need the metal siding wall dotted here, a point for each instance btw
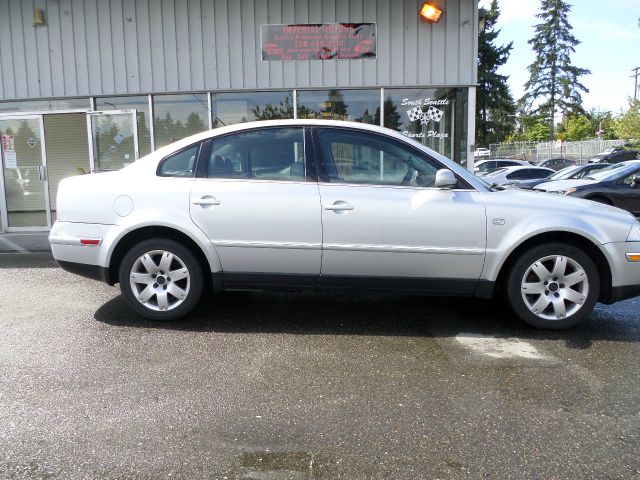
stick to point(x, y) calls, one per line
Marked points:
point(104, 47)
point(143, 32)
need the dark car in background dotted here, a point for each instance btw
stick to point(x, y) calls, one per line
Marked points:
point(615, 185)
point(615, 155)
point(556, 163)
point(574, 172)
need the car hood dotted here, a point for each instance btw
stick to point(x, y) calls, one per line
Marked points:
point(560, 185)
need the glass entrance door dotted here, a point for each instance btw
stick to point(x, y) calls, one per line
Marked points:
point(24, 192)
point(113, 139)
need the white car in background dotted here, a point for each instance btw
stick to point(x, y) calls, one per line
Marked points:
point(487, 166)
point(336, 206)
point(482, 152)
point(512, 175)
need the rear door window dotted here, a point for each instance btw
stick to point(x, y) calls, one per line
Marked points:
point(265, 154)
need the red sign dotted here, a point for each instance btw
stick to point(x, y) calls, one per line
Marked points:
point(319, 41)
point(8, 143)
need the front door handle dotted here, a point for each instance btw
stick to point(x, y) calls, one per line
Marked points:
point(339, 206)
point(206, 201)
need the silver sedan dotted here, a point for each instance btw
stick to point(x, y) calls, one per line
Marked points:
point(338, 206)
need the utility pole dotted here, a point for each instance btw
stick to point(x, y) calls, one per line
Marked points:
point(635, 75)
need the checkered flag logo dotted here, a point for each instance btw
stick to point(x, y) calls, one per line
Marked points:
point(414, 114)
point(433, 114)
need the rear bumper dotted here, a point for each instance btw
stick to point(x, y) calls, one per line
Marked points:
point(95, 272)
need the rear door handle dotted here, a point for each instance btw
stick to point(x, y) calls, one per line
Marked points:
point(339, 206)
point(206, 201)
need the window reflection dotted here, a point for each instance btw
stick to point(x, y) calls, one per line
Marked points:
point(141, 106)
point(50, 104)
point(178, 116)
point(426, 115)
point(230, 108)
point(353, 105)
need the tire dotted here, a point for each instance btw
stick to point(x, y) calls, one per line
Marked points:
point(147, 286)
point(553, 286)
point(603, 200)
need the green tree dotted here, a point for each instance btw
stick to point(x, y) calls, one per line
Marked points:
point(495, 107)
point(531, 126)
point(273, 112)
point(392, 118)
point(553, 83)
point(576, 127)
point(627, 124)
point(334, 107)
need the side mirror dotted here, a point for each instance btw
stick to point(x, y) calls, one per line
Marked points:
point(445, 179)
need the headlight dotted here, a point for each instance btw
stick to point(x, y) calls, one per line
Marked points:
point(568, 191)
point(634, 234)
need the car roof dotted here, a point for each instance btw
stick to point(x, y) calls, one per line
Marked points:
point(501, 160)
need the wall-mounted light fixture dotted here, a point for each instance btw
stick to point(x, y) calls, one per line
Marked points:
point(482, 19)
point(38, 17)
point(429, 13)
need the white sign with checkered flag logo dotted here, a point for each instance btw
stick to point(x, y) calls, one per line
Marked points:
point(414, 114)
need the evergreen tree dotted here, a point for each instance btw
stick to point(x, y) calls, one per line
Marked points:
point(495, 107)
point(554, 82)
point(334, 107)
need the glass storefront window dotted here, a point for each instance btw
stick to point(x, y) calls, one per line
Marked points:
point(49, 104)
point(178, 116)
point(141, 105)
point(426, 115)
point(353, 105)
point(230, 108)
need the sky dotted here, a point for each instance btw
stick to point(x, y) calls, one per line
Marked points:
point(610, 46)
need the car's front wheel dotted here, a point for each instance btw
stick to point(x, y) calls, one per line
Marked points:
point(161, 279)
point(553, 286)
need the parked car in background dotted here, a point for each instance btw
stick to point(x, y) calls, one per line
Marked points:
point(615, 155)
point(573, 172)
point(481, 152)
point(280, 204)
point(616, 185)
point(556, 163)
point(510, 175)
point(485, 166)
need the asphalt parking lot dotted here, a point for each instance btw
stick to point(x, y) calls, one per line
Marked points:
point(286, 386)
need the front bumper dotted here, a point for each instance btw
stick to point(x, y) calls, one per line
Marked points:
point(625, 274)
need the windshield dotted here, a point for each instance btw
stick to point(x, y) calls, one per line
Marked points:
point(495, 173)
point(565, 173)
point(612, 171)
point(608, 150)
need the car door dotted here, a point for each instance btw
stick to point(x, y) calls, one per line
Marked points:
point(627, 193)
point(258, 202)
point(385, 225)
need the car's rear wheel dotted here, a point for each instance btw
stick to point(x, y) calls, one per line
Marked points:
point(161, 279)
point(553, 286)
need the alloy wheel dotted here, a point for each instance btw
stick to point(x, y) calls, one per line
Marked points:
point(554, 287)
point(160, 280)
